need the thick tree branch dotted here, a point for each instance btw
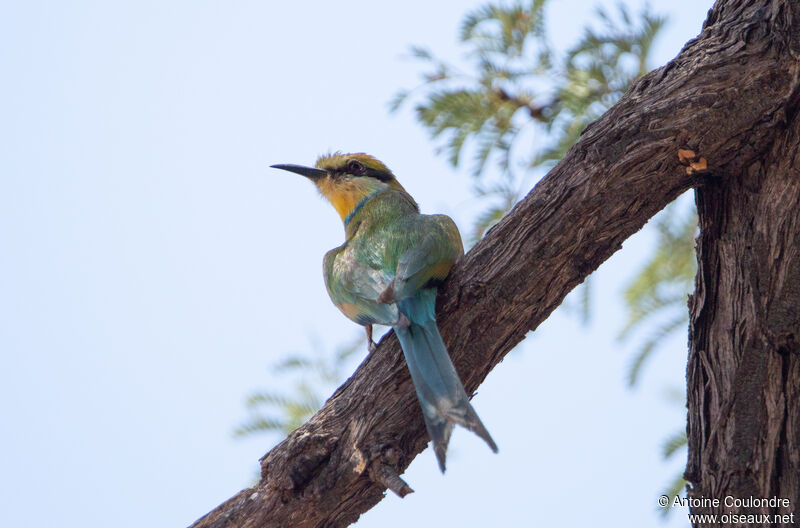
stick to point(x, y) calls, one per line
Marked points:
point(724, 97)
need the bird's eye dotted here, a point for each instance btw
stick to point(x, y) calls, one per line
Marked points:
point(354, 167)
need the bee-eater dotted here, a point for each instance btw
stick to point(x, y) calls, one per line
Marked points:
point(388, 271)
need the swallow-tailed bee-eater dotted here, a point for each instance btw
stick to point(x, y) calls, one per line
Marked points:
point(388, 271)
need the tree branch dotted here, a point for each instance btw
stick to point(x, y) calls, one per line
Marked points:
point(724, 97)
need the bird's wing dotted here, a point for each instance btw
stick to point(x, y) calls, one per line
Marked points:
point(429, 260)
point(354, 288)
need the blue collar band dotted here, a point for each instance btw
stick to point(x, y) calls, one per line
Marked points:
point(358, 207)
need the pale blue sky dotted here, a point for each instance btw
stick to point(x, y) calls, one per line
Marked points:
point(153, 267)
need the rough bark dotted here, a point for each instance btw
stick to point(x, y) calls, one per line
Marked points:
point(724, 102)
point(744, 363)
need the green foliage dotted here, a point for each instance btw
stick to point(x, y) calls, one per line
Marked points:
point(655, 300)
point(656, 297)
point(521, 104)
point(674, 444)
point(314, 376)
point(675, 487)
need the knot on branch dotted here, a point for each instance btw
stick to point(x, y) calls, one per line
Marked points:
point(383, 471)
point(293, 468)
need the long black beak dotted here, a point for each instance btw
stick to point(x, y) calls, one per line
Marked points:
point(309, 172)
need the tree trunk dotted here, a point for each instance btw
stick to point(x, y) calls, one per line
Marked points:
point(724, 107)
point(743, 373)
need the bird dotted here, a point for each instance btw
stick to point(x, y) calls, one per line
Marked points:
point(387, 272)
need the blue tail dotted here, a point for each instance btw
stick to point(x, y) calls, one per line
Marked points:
point(439, 390)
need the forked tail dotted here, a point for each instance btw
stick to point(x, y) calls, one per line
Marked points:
point(439, 390)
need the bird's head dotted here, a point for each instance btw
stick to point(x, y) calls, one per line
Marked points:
point(347, 179)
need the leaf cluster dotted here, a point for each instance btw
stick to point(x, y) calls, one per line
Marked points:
point(656, 297)
point(521, 103)
point(313, 375)
point(674, 445)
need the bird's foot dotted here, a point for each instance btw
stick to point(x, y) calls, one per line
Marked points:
point(371, 346)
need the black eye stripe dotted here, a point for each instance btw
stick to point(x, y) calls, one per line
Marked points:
point(383, 176)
